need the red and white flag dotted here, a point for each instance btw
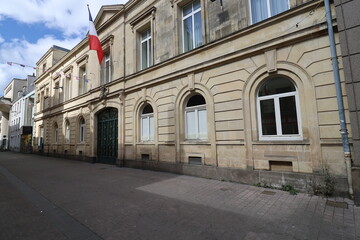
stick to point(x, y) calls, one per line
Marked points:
point(94, 41)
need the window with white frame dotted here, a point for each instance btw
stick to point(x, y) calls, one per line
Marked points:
point(68, 87)
point(67, 132)
point(82, 129)
point(147, 123)
point(262, 9)
point(106, 68)
point(56, 133)
point(145, 49)
point(196, 118)
point(278, 110)
point(82, 80)
point(191, 26)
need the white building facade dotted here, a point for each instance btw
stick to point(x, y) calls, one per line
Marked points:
point(21, 115)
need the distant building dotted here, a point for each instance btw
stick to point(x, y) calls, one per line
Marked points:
point(241, 92)
point(5, 106)
point(22, 106)
point(10, 94)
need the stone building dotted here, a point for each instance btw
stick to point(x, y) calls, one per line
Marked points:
point(349, 31)
point(20, 113)
point(11, 93)
point(240, 92)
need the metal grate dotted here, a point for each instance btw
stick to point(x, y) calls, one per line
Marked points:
point(337, 204)
point(145, 157)
point(267, 192)
point(195, 160)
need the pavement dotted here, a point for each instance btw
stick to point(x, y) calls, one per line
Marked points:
point(53, 198)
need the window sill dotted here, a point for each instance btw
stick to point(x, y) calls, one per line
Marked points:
point(195, 142)
point(146, 143)
point(281, 142)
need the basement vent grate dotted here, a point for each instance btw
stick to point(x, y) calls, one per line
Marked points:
point(145, 157)
point(195, 160)
point(337, 204)
point(267, 192)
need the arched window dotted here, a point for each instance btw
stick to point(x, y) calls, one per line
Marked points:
point(56, 133)
point(196, 118)
point(147, 123)
point(278, 110)
point(67, 132)
point(82, 129)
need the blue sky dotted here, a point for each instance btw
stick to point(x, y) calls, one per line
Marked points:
point(29, 28)
point(12, 29)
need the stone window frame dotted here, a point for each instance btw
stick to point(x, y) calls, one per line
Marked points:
point(56, 89)
point(148, 41)
point(276, 97)
point(82, 129)
point(67, 89)
point(182, 128)
point(107, 46)
point(196, 109)
point(178, 6)
point(192, 16)
point(144, 21)
point(67, 131)
point(82, 63)
point(56, 133)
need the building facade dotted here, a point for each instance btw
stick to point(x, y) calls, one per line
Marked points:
point(11, 92)
point(5, 106)
point(241, 92)
point(349, 32)
point(20, 117)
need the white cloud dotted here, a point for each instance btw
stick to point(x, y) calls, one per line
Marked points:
point(69, 16)
point(24, 52)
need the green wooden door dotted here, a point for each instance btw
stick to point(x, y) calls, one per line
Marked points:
point(107, 142)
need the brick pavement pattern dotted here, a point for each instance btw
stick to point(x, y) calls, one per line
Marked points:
point(107, 202)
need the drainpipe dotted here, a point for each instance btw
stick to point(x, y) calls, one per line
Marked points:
point(343, 130)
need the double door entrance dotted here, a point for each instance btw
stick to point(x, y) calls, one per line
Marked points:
point(107, 136)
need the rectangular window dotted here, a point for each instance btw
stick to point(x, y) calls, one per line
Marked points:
point(191, 26)
point(42, 101)
point(147, 127)
point(56, 135)
point(289, 124)
point(82, 132)
point(268, 122)
point(44, 67)
point(82, 80)
point(145, 49)
point(263, 9)
point(67, 133)
point(56, 94)
point(67, 88)
point(196, 123)
point(106, 69)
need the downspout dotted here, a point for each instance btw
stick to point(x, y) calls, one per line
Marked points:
point(343, 129)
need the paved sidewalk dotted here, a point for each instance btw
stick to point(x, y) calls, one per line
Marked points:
point(51, 198)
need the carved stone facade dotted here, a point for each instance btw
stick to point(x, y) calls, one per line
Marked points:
point(199, 100)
